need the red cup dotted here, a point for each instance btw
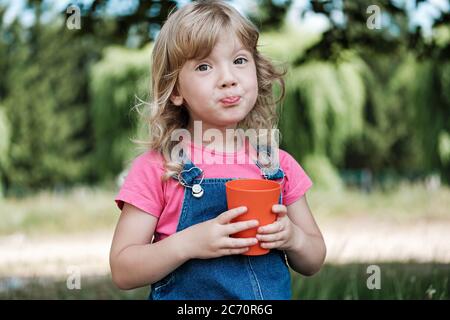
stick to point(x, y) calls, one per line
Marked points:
point(258, 195)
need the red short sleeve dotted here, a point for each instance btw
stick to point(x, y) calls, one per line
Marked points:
point(297, 182)
point(143, 187)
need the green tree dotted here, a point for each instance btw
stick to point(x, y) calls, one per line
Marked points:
point(405, 109)
point(46, 107)
point(136, 23)
point(119, 82)
point(269, 14)
point(4, 146)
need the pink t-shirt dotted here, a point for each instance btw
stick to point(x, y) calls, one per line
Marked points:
point(144, 189)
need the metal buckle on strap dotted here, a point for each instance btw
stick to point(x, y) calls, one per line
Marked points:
point(197, 190)
point(266, 176)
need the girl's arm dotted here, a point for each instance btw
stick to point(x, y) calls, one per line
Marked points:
point(309, 251)
point(136, 262)
point(296, 232)
point(133, 260)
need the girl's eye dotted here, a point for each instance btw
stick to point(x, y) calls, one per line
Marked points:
point(240, 59)
point(203, 66)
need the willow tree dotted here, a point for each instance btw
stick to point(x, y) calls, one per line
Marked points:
point(45, 106)
point(4, 146)
point(323, 105)
point(118, 83)
point(407, 111)
point(323, 108)
point(431, 115)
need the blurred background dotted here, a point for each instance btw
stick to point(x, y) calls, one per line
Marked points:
point(366, 113)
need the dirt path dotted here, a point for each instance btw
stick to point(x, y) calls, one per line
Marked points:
point(360, 240)
point(367, 240)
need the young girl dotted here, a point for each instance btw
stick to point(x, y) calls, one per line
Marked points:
point(174, 230)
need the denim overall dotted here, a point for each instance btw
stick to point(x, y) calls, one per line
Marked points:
point(227, 277)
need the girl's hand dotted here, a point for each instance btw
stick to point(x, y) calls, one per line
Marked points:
point(211, 239)
point(280, 234)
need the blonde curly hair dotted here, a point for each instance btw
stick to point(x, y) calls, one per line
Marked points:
point(191, 33)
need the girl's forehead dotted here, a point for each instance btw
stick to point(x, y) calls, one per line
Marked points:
point(225, 44)
point(229, 40)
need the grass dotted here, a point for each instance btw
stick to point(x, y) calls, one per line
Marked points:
point(398, 281)
point(85, 209)
point(403, 202)
point(78, 211)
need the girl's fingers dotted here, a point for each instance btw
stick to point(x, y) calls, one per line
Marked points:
point(229, 215)
point(277, 226)
point(234, 243)
point(271, 245)
point(280, 210)
point(235, 251)
point(270, 237)
point(232, 228)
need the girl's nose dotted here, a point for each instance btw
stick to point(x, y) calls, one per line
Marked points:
point(228, 79)
point(230, 83)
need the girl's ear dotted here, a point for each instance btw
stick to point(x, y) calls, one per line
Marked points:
point(176, 98)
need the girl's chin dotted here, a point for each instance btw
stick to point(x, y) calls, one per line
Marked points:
point(235, 112)
point(230, 122)
point(234, 118)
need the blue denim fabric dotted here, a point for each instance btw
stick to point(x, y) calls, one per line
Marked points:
point(228, 277)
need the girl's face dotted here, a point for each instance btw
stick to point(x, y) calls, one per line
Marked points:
point(229, 71)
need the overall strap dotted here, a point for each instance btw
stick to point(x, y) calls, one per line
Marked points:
point(273, 171)
point(191, 171)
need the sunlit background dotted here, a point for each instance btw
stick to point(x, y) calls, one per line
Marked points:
point(366, 113)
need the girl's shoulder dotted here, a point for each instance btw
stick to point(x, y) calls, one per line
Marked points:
point(283, 154)
point(149, 157)
point(285, 158)
point(145, 166)
point(140, 185)
point(297, 180)
point(289, 164)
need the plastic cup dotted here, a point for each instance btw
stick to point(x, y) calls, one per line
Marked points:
point(258, 195)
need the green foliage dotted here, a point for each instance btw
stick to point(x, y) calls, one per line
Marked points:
point(322, 172)
point(406, 113)
point(269, 14)
point(286, 44)
point(444, 147)
point(80, 210)
point(4, 146)
point(4, 139)
point(135, 25)
point(411, 281)
point(46, 109)
point(356, 98)
point(323, 109)
point(385, 141)
point(333, 96)
point(416, 281)
point(428, 111)
point(118, 81)
point(369, 111)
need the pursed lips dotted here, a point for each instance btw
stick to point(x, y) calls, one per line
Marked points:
point(230, 99)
